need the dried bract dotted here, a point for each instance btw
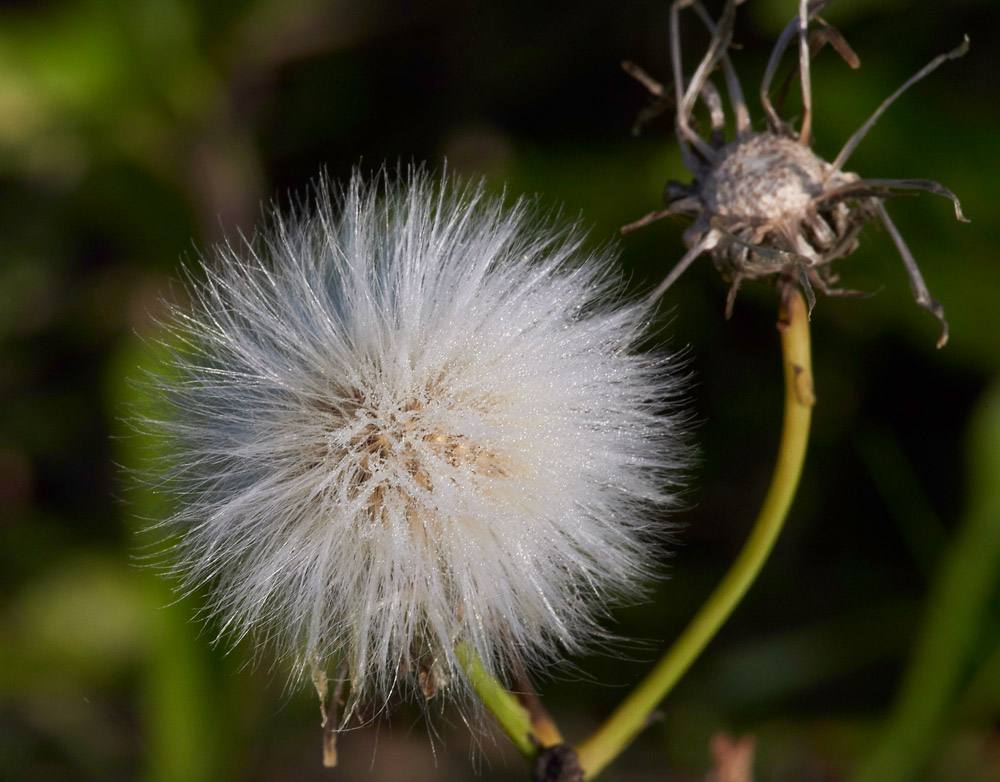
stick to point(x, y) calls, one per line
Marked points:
point(764, 206)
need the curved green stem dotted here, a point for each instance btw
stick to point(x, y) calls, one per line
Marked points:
point(511, 716)
point(631, 716)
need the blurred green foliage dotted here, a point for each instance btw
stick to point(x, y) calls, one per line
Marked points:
point(130, 130)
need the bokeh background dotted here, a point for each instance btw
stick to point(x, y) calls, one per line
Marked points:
point(133, 132)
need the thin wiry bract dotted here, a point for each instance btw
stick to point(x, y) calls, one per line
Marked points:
point(410, 419)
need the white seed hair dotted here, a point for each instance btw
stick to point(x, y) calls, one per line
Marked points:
point(409, 417)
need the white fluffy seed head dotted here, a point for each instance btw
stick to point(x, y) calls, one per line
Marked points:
point(408, 418)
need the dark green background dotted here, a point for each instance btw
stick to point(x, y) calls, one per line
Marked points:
point(133, 132)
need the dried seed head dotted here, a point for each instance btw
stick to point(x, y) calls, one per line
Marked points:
point(764, 206)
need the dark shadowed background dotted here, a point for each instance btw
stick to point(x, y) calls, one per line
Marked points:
point(134, 131)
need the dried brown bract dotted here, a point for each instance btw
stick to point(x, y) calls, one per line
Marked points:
point(764, 206)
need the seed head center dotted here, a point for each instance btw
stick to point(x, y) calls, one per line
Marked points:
point(408, 446)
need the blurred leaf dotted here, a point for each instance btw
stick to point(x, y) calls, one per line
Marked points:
point(81, 623)
point(188, 716)
point(957, 614)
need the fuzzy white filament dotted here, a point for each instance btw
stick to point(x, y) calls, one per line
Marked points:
point(408, 417)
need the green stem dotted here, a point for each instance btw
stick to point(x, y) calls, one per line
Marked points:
point(511, 716)
point(631, 716)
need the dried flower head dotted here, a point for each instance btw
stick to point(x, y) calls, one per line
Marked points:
point(764, 206)
point(412, 419)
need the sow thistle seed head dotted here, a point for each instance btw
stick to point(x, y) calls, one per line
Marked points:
point(764, 206)
point(407, 419)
